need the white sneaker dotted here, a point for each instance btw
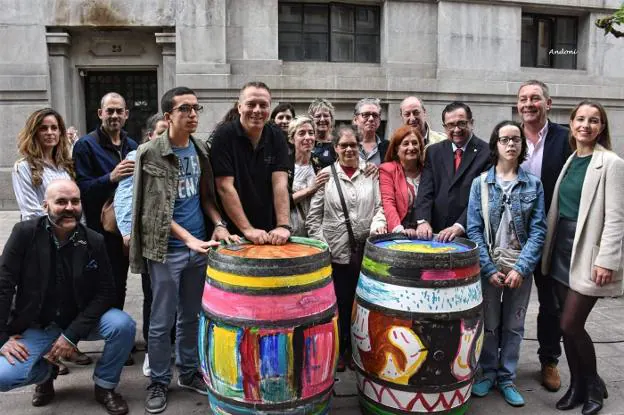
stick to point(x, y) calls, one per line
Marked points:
point(147, 372)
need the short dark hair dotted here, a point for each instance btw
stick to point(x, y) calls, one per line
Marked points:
point(255, 84)
point(455, 105)
point(284, 106)
point(494, 142)
point(342, 128)
point(166, 102)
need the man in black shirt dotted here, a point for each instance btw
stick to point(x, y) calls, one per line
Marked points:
point(250, 164)
point(58, 273)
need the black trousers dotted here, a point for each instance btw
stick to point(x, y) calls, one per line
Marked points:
point(119, 263)
point(345, 278)
point(548, 317)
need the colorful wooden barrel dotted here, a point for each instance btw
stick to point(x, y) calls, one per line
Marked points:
point(268, 335)
point(417, 325)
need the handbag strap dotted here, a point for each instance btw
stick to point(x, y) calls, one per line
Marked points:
point(485, 209)
point(344, 209)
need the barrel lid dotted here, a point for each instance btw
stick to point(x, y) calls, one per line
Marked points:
point(295, 248)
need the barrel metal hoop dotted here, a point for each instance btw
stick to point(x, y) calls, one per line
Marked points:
point(407, 315)
point(318, 398)
point(397, 280)
point(429, 260)
point(270, 291)
point(319, 318)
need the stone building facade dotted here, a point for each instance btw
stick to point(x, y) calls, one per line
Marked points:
point(65, 53)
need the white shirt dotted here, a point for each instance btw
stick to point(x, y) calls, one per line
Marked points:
point(535, 153)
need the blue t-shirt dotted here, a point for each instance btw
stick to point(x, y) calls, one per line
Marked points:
point(187, 210)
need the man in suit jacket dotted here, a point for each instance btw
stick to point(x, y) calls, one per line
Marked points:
point(58, 273)
point(544, 138)
point(445, 182)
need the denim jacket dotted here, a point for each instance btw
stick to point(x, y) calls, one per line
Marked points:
point(156, 171)
point(527, 210)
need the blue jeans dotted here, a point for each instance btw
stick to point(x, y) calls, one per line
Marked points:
point(116, 328)
point(504, 329)
point(177, 285)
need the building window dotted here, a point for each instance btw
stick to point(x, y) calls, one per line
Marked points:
point(549, 41)
point(333, 32)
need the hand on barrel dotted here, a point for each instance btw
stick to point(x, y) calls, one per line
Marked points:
point(424, 231)
point(279, 236)
point(450, 233)
point(381, 230)
point(222, 234)
point(199, 246)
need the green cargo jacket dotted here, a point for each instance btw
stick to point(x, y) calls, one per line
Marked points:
point(156, 173)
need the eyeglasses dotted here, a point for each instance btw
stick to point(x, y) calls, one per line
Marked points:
point(186, 108)
point(119, 111)
point(344, 146)
point(504, 140)
point(367, 115)
point(460, 124)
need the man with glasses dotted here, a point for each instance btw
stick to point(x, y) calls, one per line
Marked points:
point(175, 222)
point(251, 164)
point(450, 166)
point(414, 114)
point(100, 163)
point(544, 137)
point(367, 118)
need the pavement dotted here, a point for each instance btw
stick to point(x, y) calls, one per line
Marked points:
point(74, 392)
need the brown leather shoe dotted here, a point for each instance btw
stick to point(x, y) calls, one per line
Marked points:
point(112, 401)
point(550, 377)
point(80, 358)
point(44, 392)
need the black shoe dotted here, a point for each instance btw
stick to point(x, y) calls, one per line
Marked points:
point(195, 382)
point(62, 369)
point(80, 358)
point(130, 360)
point(574, 396)
point(156, 400)
point(596, 392)
point(112, 401)
point(44, 392)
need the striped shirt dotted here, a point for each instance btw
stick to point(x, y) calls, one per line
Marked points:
point(30, 198)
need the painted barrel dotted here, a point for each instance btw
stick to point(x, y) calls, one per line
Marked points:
point(268, 334)
point(417, 325)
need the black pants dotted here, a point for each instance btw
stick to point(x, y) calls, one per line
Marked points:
point(119, 264)
point(345, 278)
point(548, 317)
point(146, 285)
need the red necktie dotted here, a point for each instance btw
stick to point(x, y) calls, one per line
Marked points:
point(458, 157)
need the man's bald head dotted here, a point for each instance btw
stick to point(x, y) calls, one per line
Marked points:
point(413, 114)
point(61, 186)
point(111, 95)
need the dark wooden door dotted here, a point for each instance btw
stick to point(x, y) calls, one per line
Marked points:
point(139, 89)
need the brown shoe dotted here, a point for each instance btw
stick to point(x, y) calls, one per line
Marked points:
point(112, 401)
point(80, 358)
point(550, 377)
point(44, 392)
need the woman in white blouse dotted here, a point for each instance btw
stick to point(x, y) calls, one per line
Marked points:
point(44, 147)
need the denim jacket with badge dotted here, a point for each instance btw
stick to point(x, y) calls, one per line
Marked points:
point(156, 173)
point(529, 218)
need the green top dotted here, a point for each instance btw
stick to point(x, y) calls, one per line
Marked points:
point(571, 187)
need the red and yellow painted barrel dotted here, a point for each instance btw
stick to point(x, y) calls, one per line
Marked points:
point(417, 325)
point(268, 336)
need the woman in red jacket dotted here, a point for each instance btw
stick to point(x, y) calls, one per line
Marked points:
point(399, 177)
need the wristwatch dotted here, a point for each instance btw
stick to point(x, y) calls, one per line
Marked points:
point(287, 227)
point(221, 223)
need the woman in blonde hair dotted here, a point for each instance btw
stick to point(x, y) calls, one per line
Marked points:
point(44, 147)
